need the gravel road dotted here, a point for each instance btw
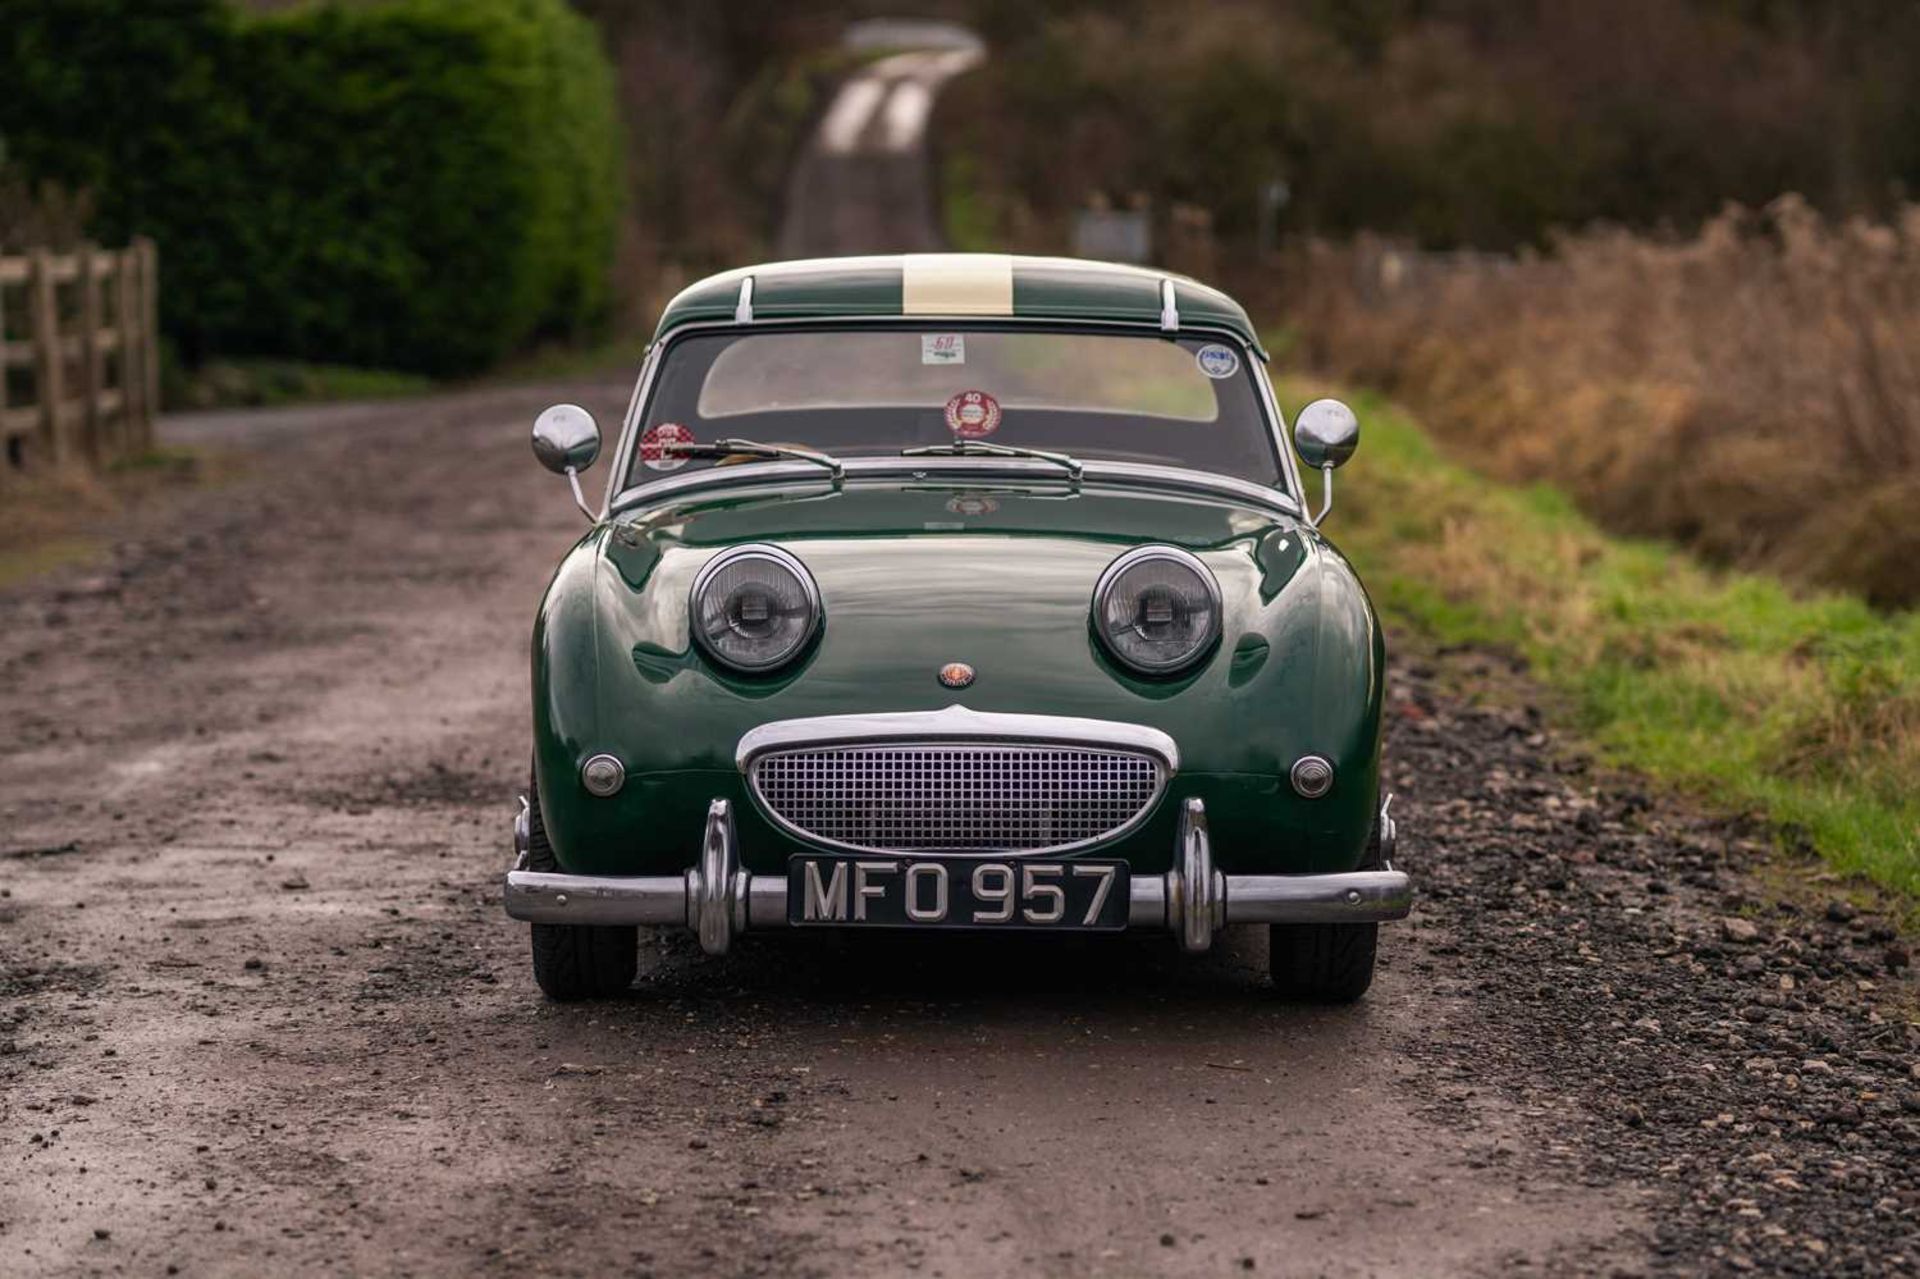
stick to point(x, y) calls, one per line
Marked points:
point(260, 1010)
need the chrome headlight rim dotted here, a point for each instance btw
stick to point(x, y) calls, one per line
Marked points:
point(733, 555)
point(1185, 559)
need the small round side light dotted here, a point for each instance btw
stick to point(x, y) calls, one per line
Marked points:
point(603, 775)
point(1312, 776)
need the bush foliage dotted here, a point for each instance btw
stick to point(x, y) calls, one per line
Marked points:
point(419, 184)
point(1480, 123)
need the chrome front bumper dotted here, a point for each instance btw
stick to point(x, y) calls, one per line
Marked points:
point(719, 900)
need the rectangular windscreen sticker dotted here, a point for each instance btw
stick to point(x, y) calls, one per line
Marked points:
point(943, 348)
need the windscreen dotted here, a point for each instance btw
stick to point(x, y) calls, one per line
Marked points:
point(1187, 401)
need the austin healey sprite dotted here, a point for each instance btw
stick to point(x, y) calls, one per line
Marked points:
point(955, 591)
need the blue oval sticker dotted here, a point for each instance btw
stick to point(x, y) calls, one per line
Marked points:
point(1217, 361)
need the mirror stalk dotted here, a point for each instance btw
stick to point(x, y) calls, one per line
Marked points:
point(566, 439)
point(579, 498)
point(1325, 436)
point(1326, 494)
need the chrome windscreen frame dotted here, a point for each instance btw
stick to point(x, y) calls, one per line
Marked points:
point(621, 496)
point(642, 386)
point(958, 726)
point(1278, 422)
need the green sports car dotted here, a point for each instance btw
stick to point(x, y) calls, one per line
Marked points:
point(955, 591)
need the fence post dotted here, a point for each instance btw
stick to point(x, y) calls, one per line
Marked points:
point(150, 340)
point(93, 423)
point(133, 400)
point(7, 454)
point(48, 373)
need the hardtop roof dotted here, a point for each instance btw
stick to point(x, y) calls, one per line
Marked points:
point(954, 286)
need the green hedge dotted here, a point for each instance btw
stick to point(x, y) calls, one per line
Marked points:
point(422, 184)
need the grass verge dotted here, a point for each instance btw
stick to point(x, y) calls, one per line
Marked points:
point(54, 520)
point(223, 384)
point(1802, 707)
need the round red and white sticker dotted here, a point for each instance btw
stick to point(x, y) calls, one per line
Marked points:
point(655, 448)
point(973, 414)
point(972, 504)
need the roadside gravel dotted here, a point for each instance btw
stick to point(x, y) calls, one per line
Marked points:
point(1755, 1058)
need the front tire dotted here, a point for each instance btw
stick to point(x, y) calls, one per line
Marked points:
point(576, 961)
point(1322, 963)
point(1326, 963)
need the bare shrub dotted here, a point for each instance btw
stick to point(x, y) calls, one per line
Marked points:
point(39, 217)
point(1753, 391)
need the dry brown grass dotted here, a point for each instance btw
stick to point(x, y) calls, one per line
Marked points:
point(62, 517)
point(1752, 392)
point(1801, 705)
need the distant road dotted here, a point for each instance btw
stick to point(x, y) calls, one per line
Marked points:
point(865, 182)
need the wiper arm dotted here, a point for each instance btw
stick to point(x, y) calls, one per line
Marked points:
point(983, 448)
point(753, 448)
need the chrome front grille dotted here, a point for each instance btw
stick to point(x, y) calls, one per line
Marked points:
point(957, 797)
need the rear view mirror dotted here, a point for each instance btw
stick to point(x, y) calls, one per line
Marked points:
point(1325, 434)
point(566, 439)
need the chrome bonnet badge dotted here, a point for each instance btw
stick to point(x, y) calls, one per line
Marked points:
point(956, 675)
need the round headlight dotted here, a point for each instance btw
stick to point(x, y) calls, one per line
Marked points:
point(754, 607)
point(1157, 609)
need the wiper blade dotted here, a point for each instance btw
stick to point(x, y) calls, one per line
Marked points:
point(983, 448)
point(753, 448)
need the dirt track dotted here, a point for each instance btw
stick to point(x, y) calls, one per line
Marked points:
point(864, 183)
point(261, 1011)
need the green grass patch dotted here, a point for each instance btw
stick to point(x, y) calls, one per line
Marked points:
point(18, 563)
point(222, 384)
point(62, 518)
point(277, 383)
point(1802, 707)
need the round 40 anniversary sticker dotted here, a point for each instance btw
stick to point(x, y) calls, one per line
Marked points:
point(973, 415)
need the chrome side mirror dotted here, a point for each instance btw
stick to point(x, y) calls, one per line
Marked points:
point(1325, 434)
point(566, 439)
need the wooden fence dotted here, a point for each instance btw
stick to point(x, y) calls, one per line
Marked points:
point(79, 367)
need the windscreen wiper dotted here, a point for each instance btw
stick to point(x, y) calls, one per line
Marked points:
point(753, 448)
point(982, 448)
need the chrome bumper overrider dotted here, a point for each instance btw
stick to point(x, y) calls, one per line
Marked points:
point(719, 900)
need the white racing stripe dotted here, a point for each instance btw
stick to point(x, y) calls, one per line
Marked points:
point(956, 284)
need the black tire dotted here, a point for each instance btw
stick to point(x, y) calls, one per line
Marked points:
point(1326, 963)
point(576, 961)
